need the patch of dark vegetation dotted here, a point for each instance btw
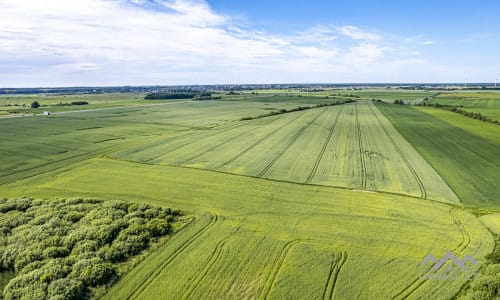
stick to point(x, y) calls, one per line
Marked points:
point(69, 249)
point(167, 96)
point(79, 103)
point(346, 95)
point(89, 128)
point(182, 94)
point(284, 111)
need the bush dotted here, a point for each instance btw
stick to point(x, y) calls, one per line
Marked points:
point(58, 249)
point(79, 103)
point(35, 104)
point(93, 272)
point(65, 288)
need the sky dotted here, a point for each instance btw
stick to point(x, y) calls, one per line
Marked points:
point(173, 42)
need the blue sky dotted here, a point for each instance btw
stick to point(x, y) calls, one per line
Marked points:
point(137, 42)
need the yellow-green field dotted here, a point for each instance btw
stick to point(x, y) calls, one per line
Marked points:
point(335, 202)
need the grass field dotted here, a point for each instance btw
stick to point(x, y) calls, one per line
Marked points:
point(333, 202)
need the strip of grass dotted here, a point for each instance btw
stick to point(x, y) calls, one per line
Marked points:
point(467, 161)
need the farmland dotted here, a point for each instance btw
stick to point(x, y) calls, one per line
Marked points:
point(439, 143)
point(329, 202)
point(485, 103)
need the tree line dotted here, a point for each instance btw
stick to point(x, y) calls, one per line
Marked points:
point(284, 111)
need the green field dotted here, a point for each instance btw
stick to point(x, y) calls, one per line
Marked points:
point(334, 202)
point(467, 161)
point(485, 103)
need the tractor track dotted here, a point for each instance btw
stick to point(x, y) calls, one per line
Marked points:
point(287, 146)
point(150, 277)
point(323, 149)
point(278, 263)
point(419, 282)
point(338, 262)
point(256, 143)
point(423, 191)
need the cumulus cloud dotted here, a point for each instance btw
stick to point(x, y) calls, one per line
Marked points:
point(111, 42)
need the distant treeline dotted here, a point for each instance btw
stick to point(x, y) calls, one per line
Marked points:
point(456, 109)
point(196, 96)
point(164, 96)
point(284, 111)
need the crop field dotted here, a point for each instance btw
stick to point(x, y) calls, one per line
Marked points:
point(331, 202)
point(457, 155)
point(315, 146)
point(485, 103)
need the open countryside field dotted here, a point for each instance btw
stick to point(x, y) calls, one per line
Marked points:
point(334, 202)
point(485, 103)
point(467, 161)
point(351, 145)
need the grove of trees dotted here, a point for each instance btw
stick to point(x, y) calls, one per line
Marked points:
point(61, 249)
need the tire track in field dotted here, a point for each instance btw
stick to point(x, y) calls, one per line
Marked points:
point(323, 149)
point(214, 257)
point(195, 134)
point(287, 146)
point(419, 282)
point(360, 146)
point(149, 278)
point(421, 187)
point(229, 140)
point(278, 263)
point(335, 268)
point(256, 143)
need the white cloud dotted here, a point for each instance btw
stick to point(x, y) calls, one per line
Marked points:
point(428, 43)
point(357, 33)
point(111, 42)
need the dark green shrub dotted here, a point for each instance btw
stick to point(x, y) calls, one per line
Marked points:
point(65, 289)
point(93, 272)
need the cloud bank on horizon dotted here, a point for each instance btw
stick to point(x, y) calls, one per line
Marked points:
point(139, 42)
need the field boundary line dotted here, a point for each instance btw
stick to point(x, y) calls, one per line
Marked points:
point(278, 263)
point(449, 204)
point(150, 277)
point(287, 146)
point(323, 149)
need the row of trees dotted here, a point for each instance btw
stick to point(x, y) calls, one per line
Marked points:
point(284, 111)
point(36, 104)
point(458, 110)
point(62, 249)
